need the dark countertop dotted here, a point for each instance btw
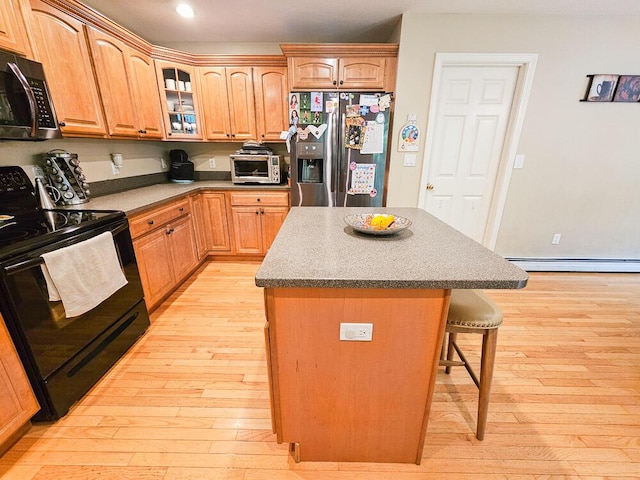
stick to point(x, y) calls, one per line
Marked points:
point(315, 248)
point(138, 199)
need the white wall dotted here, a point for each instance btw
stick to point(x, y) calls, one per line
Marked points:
point(582, 160)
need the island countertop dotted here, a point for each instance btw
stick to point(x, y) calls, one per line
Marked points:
point(315, 248)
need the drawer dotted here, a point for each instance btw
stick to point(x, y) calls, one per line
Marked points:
point(148, 221)
point(275, 199)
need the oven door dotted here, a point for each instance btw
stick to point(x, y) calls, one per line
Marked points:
point(63, 356)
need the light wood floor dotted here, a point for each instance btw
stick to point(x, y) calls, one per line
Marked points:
point(190, 400)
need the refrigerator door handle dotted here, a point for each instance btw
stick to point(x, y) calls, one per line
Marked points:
point(331, 165)
point(345, 157)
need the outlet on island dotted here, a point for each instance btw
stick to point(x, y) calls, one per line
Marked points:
point(356, 332)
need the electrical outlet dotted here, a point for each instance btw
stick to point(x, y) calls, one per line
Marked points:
point(212, 163)
point(556, 239)
point(37, 172)
point(115, 169)
point(163, 163)
point(356, 332)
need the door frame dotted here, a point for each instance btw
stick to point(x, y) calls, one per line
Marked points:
point(526, 63)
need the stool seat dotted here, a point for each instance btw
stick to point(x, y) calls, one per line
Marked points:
point(473, 309)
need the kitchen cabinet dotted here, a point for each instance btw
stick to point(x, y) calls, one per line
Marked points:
point(13, 28)
point(61, 46)
point(164, 240)
point(215, 222)
point(212, 228)
point(256, 218)
point(197, 212)
point(128, 87)
point(228, 99)
point(271, 95)
point(179, 101)
point(17, 401)
point(349, 67)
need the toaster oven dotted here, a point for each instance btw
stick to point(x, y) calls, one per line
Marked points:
point(257, 168)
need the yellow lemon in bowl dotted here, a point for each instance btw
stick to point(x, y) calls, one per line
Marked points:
point(380, 221)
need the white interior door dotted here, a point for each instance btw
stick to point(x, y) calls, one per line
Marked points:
point(469, 125)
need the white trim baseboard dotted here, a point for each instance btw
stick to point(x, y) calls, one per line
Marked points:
point(596, 265)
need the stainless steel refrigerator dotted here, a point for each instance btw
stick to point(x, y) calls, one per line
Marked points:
point(338, 148)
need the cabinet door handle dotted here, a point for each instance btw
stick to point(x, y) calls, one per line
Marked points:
point(62, 124)
point(341, 82)
point(181, 209)
point(257, 199)
point(257, 212)
point(169, 231)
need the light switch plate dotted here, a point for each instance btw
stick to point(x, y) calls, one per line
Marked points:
point(409, 160)
point(519, 161)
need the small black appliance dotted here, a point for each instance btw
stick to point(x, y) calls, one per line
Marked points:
point(181, 168)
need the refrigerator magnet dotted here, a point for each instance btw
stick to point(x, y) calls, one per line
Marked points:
point(316, 102)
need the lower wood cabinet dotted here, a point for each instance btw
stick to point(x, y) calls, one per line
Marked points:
point(164, 240)
point(170, 241)
point(256, 218)
point(214, 222)
point(17, 401)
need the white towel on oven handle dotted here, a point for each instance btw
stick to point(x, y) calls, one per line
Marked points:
point(83, 275)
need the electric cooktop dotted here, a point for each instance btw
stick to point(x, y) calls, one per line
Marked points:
point(24, 226)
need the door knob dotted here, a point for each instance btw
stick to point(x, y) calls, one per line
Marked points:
point(430, 186)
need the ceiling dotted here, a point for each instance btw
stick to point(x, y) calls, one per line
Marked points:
point(323, 21)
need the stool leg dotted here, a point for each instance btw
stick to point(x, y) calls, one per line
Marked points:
point(450, 350)
point(489, 343)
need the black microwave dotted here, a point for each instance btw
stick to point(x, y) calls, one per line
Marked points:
point(26, 110)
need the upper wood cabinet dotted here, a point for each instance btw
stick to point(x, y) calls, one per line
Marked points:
point(270, 86)
point(17, 401)
point(179, 100)
point(13, 30)
point(61, 46)
point(146, 96)
point(361, 67)
point(128, 87)
point(228, 103)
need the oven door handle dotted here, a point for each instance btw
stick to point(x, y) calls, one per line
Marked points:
point(26, 265)
point(36, 258)
point(33, 105)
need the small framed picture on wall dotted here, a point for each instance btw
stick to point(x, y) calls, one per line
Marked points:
point(628, 89)
point(601, 88)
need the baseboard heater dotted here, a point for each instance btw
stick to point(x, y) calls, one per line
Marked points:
point(596, 265)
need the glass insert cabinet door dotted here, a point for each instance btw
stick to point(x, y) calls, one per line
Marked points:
point(180, 102)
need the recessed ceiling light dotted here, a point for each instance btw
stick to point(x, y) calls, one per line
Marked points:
point(185, 10)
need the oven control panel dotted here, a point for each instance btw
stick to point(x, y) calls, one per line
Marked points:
point(13, 179)
point(66, 182)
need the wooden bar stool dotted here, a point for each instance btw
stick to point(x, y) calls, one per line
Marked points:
point(471, 311)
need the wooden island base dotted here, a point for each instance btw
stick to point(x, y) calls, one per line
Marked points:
point(360, 401)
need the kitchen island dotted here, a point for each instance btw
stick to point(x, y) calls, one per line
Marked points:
point(366, 397)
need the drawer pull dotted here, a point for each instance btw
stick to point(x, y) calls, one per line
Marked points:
point(181, 209)
point(150, 222)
